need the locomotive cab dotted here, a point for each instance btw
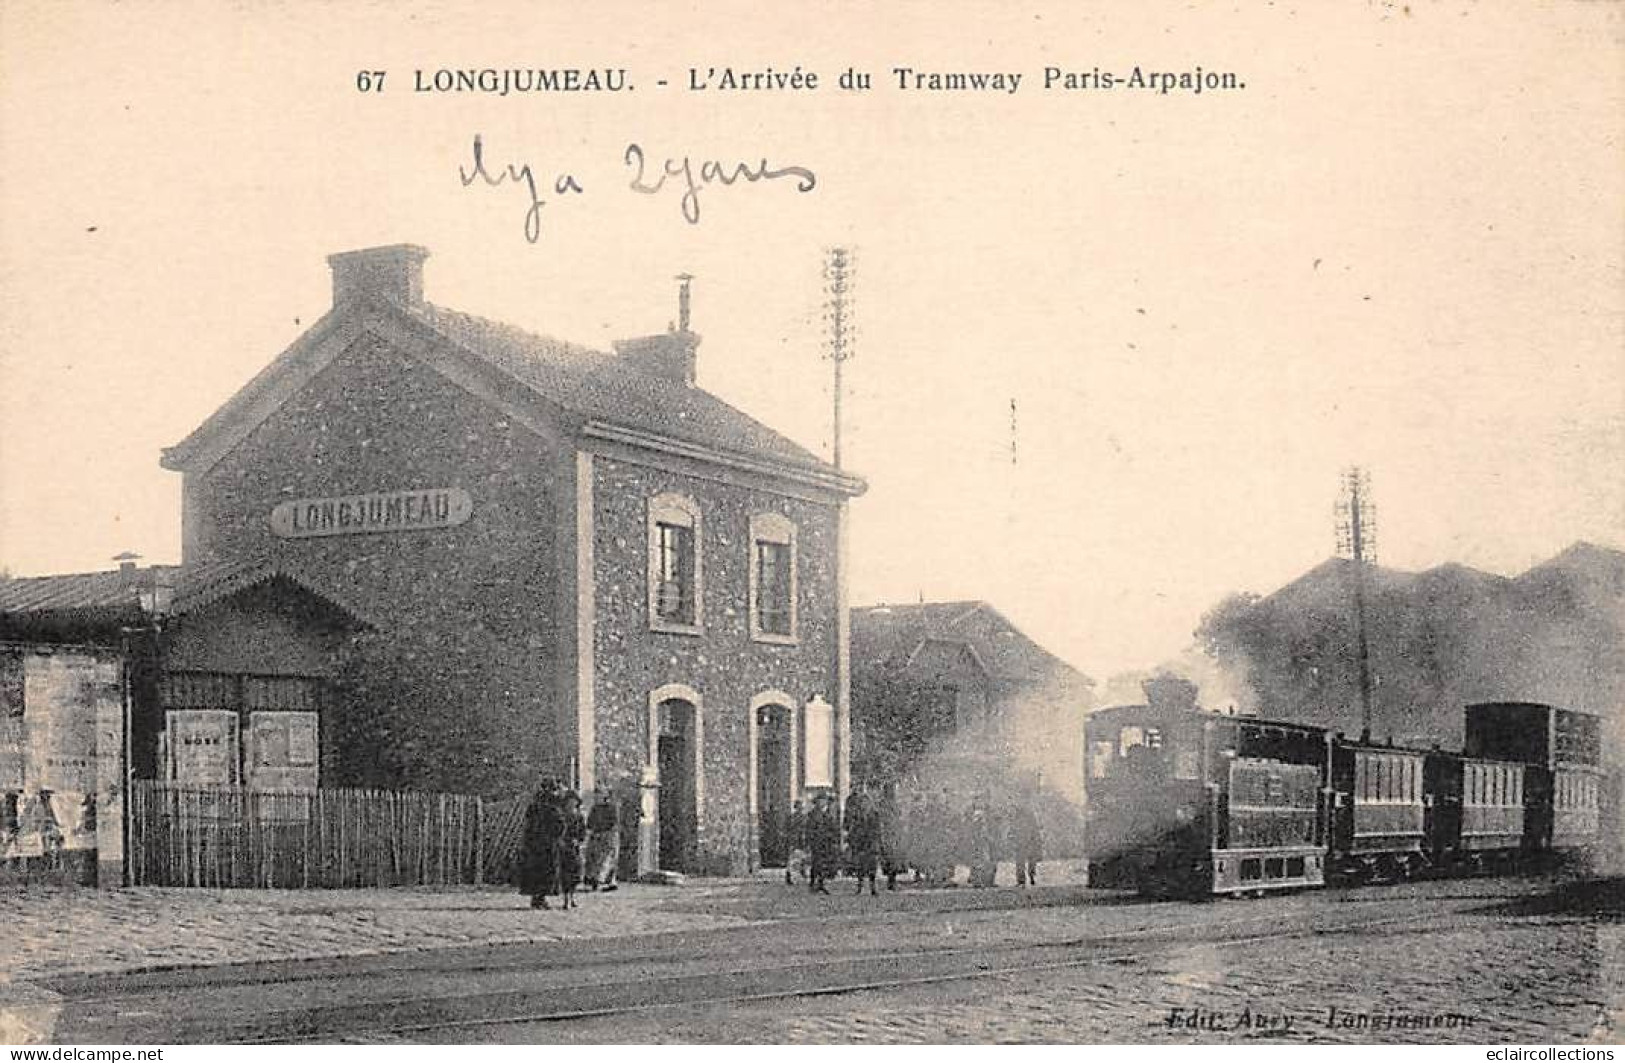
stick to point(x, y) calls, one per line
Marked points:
point(1189, 803)
point(1148, 816)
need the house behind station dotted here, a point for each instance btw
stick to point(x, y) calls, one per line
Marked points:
point(954, 694)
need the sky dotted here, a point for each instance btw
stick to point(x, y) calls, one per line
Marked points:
point(1400, 245)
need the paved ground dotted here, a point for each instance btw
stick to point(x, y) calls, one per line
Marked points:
point(54, 931)
point(1534, 983)
point(698, 964)
point(61, 931)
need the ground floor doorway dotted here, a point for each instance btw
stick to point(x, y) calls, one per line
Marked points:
point(773, 752)
point(677, 755)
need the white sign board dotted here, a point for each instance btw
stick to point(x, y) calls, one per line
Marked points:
point(820, 732)
point(390, 511)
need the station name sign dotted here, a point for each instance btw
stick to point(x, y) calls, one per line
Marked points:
point(389, 511)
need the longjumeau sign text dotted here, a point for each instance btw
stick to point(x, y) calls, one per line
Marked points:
point(388, 511)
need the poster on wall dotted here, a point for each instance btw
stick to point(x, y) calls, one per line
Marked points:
point(282, 751)
point(202, 745)
point(11, 722)
point(60, 694)
point(50, 744)
point(108, 826)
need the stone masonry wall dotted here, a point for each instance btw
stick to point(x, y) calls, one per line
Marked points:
point(462, 672)
point(723, 664)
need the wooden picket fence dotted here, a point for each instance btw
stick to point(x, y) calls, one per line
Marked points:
point(185, 836)
point(504, 831)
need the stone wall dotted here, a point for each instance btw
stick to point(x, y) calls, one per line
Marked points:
point(458, 685)
point(723, 664)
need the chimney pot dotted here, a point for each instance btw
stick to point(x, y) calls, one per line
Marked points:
point(670, 354)
point(683, 300)
point(393, 272)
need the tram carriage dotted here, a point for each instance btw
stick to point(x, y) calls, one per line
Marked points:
point(1559, 754)
point(1183, 802)
point(1379, 811)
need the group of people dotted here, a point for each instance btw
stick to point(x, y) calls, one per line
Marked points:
point(875, 836)
point(561, 850)
point(928, 835)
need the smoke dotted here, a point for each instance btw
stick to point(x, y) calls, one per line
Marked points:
point(1026, 748)
point(1028, 738)
point(1221, 686)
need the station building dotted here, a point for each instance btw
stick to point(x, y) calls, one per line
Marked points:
point(426, 550)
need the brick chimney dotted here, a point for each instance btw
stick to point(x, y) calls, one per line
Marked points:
point(665, 354)
point(670, 354)
point(393, 272)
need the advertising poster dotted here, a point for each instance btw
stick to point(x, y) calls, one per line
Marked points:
point(282, 751)
point(11, 721)
point(202, 747)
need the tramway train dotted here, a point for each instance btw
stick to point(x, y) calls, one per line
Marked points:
point(1183, 802)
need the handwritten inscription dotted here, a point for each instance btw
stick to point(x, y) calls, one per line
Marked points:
point(710, 172)
point(518, 174)
point(682, 175)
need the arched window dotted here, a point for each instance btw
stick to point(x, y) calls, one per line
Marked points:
point(773, 578)
point(675, 569)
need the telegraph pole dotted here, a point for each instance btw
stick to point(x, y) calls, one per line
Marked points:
point(1357, 540)
point(839, 267)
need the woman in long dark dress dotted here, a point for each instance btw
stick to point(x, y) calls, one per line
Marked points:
point(538, 854)
point(572, 833)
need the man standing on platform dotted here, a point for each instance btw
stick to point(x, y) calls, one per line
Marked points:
point(824, 839)
point(603, 840)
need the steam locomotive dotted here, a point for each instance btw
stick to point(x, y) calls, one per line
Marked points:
point(1183, 802)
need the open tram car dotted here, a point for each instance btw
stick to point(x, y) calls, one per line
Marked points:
point(1183, 802)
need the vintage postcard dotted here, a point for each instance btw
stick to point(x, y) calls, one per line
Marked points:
point(530, 523)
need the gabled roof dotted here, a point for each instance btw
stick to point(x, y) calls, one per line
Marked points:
point(587, 386)
point(890, 637)
point(199, 586)
point(595, 385)
point(111, 598)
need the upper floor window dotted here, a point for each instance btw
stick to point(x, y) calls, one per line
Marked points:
point(674, 563)
point(772, 578)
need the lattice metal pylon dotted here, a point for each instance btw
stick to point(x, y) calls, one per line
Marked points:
point(1357, 541)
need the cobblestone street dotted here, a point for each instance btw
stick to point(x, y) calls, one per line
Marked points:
point(1475, 961)
point(62, 931)
point(1533, 981)
point(55, 931)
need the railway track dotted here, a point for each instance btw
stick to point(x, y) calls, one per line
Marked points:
point(435, 993)
point(414, 1017)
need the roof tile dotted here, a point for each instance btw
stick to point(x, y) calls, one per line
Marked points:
point(596, 385)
